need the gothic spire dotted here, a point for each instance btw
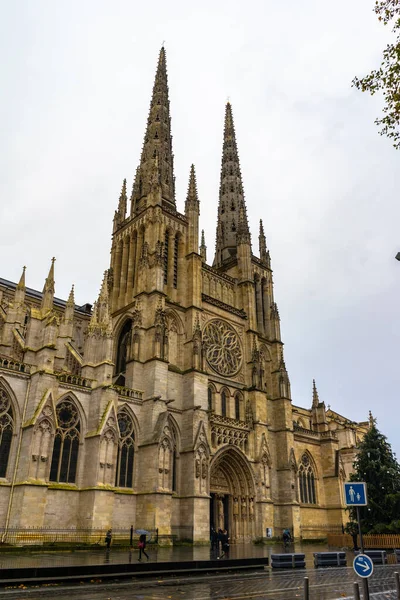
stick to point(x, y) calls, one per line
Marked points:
point(157, 142)
point(232, 225)
point(315, 397)
point(48, 290)
point(192, 198)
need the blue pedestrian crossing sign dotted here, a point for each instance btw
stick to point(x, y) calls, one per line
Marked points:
point(363, 565)
point(355, 493)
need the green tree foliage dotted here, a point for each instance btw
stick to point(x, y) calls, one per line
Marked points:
point(377, 466)
point(387, 77)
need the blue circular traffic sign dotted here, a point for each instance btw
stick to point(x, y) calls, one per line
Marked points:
point(363, 565)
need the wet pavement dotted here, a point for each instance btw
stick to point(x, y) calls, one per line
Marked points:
point(327, 584)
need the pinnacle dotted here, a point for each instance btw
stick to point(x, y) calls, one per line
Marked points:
point(203, 239)
point(122, 200)
point(71, 297)
point(48, 289)
point(192, 198)
point(21, 283)
point(315, 400)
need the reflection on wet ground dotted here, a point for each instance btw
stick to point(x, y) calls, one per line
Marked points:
point(157, 554)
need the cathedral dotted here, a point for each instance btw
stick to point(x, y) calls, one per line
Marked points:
point(166, 404)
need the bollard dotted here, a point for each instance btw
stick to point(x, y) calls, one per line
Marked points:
point(356, 590)
point(306, 589)
point(397, 579)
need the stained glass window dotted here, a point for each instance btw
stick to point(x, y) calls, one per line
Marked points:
point(126, 451)
point(66, 444)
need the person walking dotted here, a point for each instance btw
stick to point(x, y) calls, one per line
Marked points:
point(108, 538)
point(214, 539)
point(131, 537)
point(142, 547)
point(225, 545)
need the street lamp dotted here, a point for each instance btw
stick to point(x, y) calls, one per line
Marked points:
point(397, 257)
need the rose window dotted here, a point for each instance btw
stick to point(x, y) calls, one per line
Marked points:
point(223, 351)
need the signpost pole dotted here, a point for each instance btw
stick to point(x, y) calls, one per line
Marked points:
point(365, 581)
point(359, 530)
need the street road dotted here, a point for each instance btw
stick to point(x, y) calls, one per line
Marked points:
point(325, 584)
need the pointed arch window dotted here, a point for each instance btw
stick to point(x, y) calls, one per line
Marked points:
point(307, 481)
point(123, 348)
point(237, 407)
point(223, 403)
point(6, 430)
point(210, 398)
point(66, 444)
point(176, 251)
point(166, 252)
point(126, 451)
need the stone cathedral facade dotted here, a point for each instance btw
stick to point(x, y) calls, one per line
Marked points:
point(167, 404)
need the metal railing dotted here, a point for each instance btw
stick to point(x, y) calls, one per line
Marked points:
point(39, 536)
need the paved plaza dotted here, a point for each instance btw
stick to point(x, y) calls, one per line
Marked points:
point(325, 584)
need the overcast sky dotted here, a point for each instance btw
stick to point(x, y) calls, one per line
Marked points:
point(76, 84)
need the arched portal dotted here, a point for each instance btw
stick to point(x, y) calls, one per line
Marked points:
point(232, 494)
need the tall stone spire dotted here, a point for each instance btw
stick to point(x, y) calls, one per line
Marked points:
point(157, 143)
point(232, 217)
point(48, 290)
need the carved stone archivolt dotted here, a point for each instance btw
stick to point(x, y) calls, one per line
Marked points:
point(223, 350)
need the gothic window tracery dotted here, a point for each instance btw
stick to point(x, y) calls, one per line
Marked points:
point(307, 481)
point(223, 349)
point(66, 444)
point(6, 430)
point(126, 450)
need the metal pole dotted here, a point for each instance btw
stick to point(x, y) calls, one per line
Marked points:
point(306, 589)
point(365, 589)
point(365, 581)
point(359, 530)
point(356, 590)
point(397, 579)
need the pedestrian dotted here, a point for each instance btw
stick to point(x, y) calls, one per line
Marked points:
point(225, 544)
point(214, 539)
point(142, 547)
point(219, 540)
point(131, 537)
point(108, 538)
